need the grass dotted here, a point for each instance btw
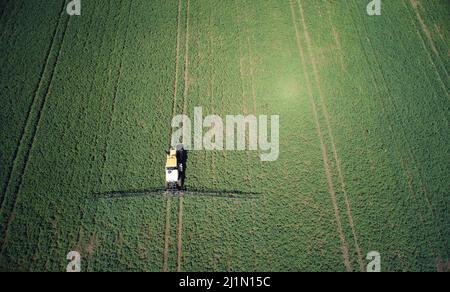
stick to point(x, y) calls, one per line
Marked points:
point(87, 105)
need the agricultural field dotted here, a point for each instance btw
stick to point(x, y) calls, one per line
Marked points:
point(85, 117)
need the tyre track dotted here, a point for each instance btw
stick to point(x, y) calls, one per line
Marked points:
point(439, 31)
point(249, 58)
point(186, 60)
point(185, 97)
point(211, 80)
point(166, 235)
point(174, 112)
point(430, 59)
point(396, 110)
point(405, 171)
point(384, 111)
point(427, 77)
point(245, 102)
point(409, 175)
point(28, 136)
point(177, 61)
point(339, 47)
point(426, 31)
point(180, 232)
point(348, 208)
point(331, 136)
point(369, 151)
point(30, 110)
point(326, 160)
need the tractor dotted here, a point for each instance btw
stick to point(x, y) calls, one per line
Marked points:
point(176, 168)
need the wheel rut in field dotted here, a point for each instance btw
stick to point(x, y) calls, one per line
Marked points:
point(405, 170)
point(29, 119)
point(326, 160)
point(246, 76)
point(22, 154)
point(427, 32)
point(177, 61)
point(403, 131)
point(174, 112)
point(166, 235)
point(180, 232)
point(185, 103)
point(326, 114)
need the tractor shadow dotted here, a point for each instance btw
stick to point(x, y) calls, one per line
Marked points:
point(182, 156)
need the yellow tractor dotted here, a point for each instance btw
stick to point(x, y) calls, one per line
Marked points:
point(175, 168)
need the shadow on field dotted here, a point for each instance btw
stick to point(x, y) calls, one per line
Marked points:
point(155, 192)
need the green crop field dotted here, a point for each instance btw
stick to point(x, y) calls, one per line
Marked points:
point(364, 148)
